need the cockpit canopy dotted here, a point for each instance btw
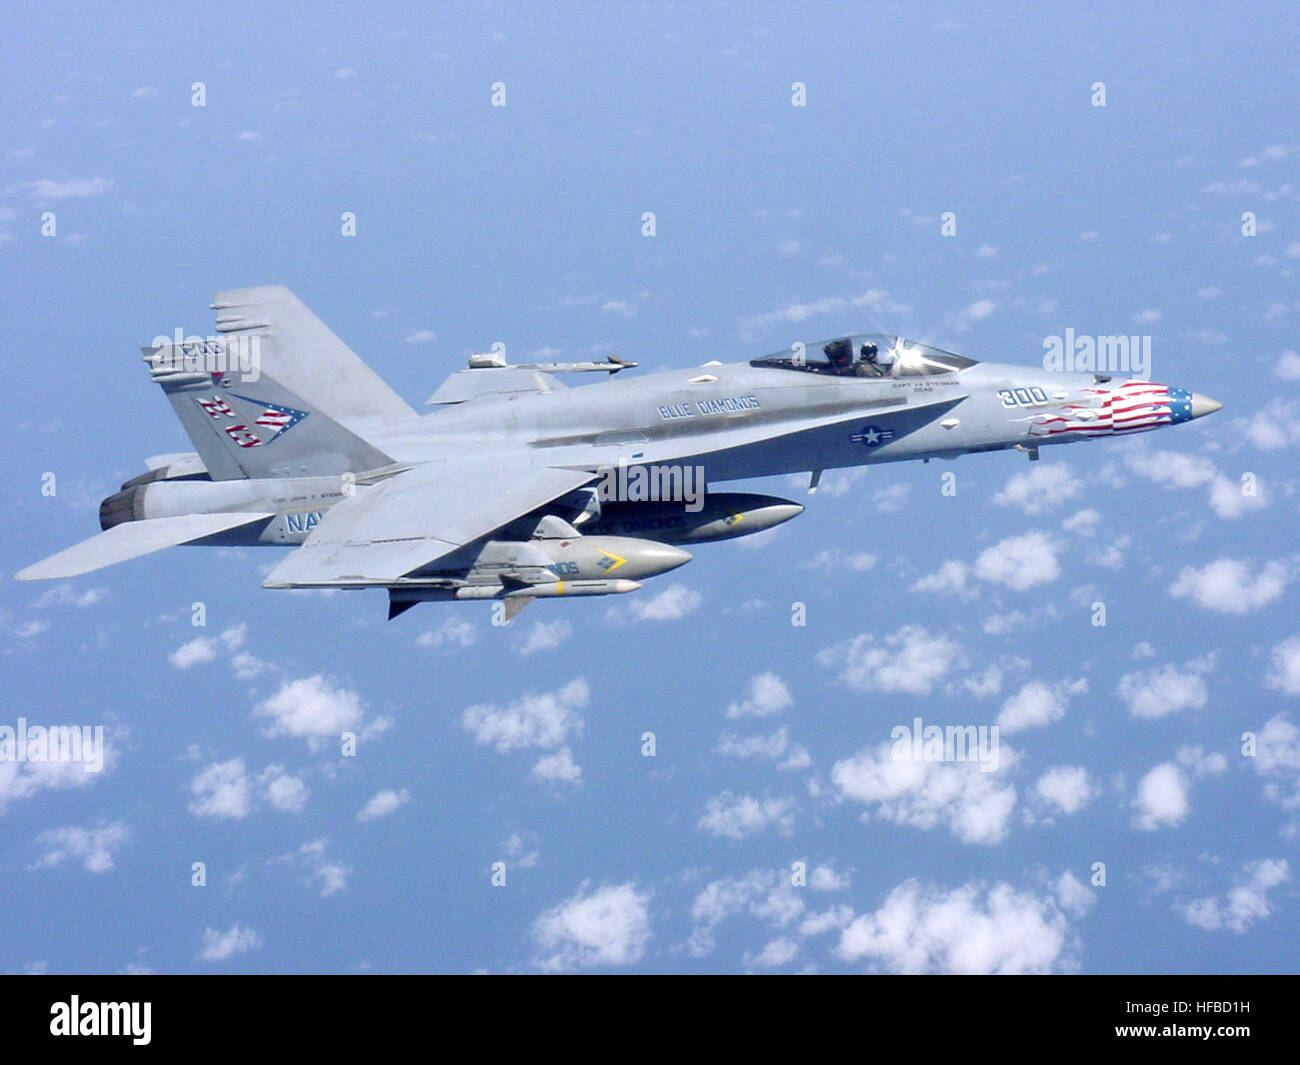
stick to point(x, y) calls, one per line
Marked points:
point(867, 355)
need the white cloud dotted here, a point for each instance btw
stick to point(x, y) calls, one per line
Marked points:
point(1072, 895)
point(1044, 486)
point(66, 594)
point(324, 875)
point(248, 666)
point(27, 630)
point(94, 848)
point(520, 849)
point(237, 939)
point(1162, 798)
point(1165, 690)
point(420, 336)
point(1176, 470)
point(1247, 902)
point(1201, 762)
point(383, 803)
point(765, 748)
point(824, 878)
point(545, 636)
point(1285, 672)
point(770, 748)
point(558, 767)
point(73, 188)
point(674, 602)
point(985, 683)
point(778, 952)
point(949, 579)
point(607, 926)
point(1112, 556)
point(1037, 704)
point(890, 498)
point(873, 299)
point(22, 780)
point(1172, 468)
point(222, 789)
point(1229, 586)
point(1001, 624)
point(205, 648)
point(766, 894)
point(974, 312)
point(283, 790)
point(767, 695)
point(834, 919)
point(1274, 426)
point(229, 790)
point(1273, 152)
point(313, 709)
point(1277, 758)
point(545, 721)
point(975, 806)
point(837, 560)
point(1068, 788)
point(199, 650)
point(973, 929)
point(1084, 522)
point(1020, 562)
point(1287, 366)
point(453, 632)
point(738, 816)
point(910, 660)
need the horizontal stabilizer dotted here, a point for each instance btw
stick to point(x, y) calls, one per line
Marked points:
point(158, 462)
point(132, 539)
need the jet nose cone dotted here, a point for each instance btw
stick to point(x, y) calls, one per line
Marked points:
point(1203, 405)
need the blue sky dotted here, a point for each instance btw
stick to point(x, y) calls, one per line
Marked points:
point(1121, 744)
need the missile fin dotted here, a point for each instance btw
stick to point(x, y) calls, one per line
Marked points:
point(513, 606)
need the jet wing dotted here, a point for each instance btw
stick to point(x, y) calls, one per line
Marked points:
point(132, 539)
point(465, 385)
point(387, 530)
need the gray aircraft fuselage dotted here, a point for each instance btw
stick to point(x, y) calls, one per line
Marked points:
point(732, 421)
point(851, 401)
point(739, 420)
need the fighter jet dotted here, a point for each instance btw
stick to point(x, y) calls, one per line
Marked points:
point(517, 486)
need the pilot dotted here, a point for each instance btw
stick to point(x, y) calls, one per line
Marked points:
point(840, 354)
point(867, 365)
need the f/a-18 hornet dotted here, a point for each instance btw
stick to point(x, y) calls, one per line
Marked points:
point(517, 486)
